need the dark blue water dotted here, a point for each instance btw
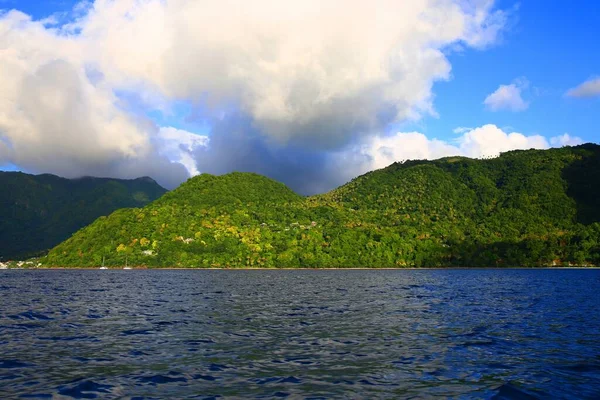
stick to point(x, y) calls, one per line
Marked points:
point(303, 334)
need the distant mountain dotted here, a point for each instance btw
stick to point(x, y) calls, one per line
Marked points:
point(524, 208)
point(39, 211)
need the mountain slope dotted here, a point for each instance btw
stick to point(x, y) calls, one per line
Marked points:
point(524, 208)
point(39, 211)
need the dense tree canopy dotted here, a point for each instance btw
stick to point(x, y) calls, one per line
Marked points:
point(38, 212)
point(524, 208)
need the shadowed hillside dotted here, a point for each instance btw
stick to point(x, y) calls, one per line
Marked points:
point(39, 211)
point(583, 177)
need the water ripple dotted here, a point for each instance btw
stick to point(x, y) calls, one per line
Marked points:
point(495, 334)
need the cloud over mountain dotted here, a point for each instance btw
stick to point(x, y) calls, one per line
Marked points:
point(309, 75)
point(299, 91)
point(234, 148)
point(55, 118)
point(485, 141)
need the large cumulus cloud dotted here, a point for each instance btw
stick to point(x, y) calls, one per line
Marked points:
point(54, 117)
point(311, 73)
point(300, 91)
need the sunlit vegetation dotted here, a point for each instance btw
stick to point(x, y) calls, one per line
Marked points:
point(524, 208)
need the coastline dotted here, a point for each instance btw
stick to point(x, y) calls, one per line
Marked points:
point(296, 268)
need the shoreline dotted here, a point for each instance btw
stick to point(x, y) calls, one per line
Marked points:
point(288, 269)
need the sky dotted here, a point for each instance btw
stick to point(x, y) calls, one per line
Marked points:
point(310, 93)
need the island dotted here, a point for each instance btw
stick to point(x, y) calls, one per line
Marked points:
point(526, 208)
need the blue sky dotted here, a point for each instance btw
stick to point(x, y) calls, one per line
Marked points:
point(542, 50)
point(554, 47)
point(40, 9)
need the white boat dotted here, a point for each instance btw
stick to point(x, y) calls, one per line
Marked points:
point(126, 267)
point(103, 267)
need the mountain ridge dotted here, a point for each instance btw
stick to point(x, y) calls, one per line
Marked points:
point(524, 208)
point(38, 212)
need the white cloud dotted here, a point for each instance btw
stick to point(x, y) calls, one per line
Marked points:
point(485, 141)
point(565, 140)
point(308, 75)
point(383, 151)
point(54, 119)
point(507, 97)
point(490, 141)
point(589, 88)
point(179, 145)
point(305, 71)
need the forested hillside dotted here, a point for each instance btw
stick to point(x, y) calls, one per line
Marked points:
point(39, 211)
point(524, 208)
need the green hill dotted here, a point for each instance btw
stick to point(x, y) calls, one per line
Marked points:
point(524, 208)
point(39, 211)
